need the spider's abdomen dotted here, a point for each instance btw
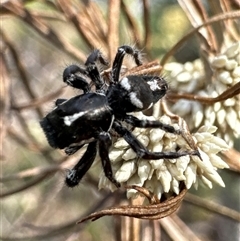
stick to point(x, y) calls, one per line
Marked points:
point(136, 93)
point(77, 119)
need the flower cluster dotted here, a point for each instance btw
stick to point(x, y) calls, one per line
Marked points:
point(191, 78)
point(164, 175)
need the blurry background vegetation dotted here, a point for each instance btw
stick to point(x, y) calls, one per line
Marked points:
point(39, 39)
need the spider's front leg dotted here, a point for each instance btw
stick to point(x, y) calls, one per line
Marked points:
point(105, 143)
point(117, 63)
point(75, 174)
point(142, 151)
point(92, 69)
point(135, 122)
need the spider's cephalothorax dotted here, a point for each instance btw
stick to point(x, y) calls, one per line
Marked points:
point(87, 119)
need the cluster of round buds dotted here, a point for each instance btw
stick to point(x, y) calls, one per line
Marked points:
point(191, 78)
point(165, 175)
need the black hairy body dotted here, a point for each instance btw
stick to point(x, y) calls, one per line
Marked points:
point(88, 119)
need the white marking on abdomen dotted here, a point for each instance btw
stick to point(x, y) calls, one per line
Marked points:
point(69, 119)
point(135, 101)
point(125, 83)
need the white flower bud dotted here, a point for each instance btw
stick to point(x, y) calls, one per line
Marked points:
point(125, 171)
point(116, 155)
point(236, 72)
point(231, 64)
point(190, 174)
point(156, 135)
point(157, 164)
point(217, 161)
point(121, 144)
point(220, 142)
point(233, 50)
point(184, 77)
point(175, 186)
point(175, 172)
point(129, 155)
point(206, 182)
point(182, 163)
point(207, 128)
point(219, 61)
point(215, 177)
point(144, 168)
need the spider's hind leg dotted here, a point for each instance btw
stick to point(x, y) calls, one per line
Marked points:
point(104, 145)
point(135, 122)
point(75, 174)
point(142, 151)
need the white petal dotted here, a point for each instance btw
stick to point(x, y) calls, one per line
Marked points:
point(143, 139)
point(149, 184)
point(158, 189)
point(203, 164)
point(211, 148)
point(233, 50)
point(106, 184)
point(182, 107)
point(184, 77)
point(198, 117)
point(175, 186)
point(165, 178)
point(221, 115)
point(190, 174)
point(182, 163)
point(157, 164)
point(210, 129)
point(220, 142)
point(126, 171)
point(203, 137)
point(157, 147)
point(116, 155)
point(231, 64)
point(129, 155)
point(206, 182)
point(231, 118)
point(121, 144)
point(220, 61)
point(144, 168)
point(218, 162)
point(175, 172)
point(156, 135)
point(214, 177)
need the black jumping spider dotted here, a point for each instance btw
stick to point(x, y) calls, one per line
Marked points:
point(87, 119)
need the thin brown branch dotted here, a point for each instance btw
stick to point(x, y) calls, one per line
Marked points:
point(132, 23)
point(232, 157)
point(150, 212)
point(222, 17)
point(113, 27)
point(5, 81)
point(39, 101)
point(82, 18)
point(229, 93)
point(175, 232)
point(53, 231)
point(31, 183)
point(21, 70)
point(146, 17)
point(43, 29)
point(212, 206)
